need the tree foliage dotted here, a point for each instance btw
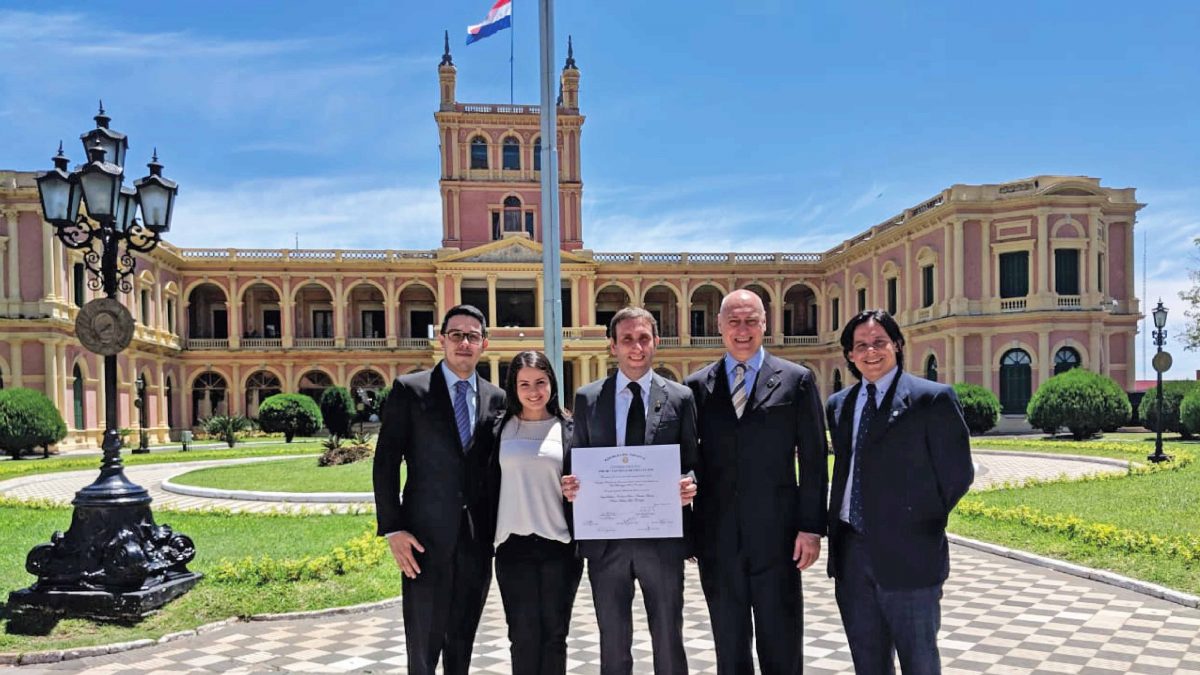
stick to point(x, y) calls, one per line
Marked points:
point(1191, 327)
point(290, 414)
point(1173, 394)
point(28, 419)
point(1189, 411)
point(1079, 400)
point(981, 408)
point(337, 408)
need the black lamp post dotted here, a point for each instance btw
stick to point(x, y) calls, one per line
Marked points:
point(140, 402)
point(113, 562)
point(1162, 363)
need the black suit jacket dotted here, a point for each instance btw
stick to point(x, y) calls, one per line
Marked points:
point(671, 419)
point(751, 499)
point(915, 468)
point(419, 430)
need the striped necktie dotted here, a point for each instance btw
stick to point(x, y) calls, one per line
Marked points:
point(739, 389)
point(462, 413)
point(860, 447)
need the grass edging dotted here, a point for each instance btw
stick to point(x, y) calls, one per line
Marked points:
point(58, 655)
point(1103, 576)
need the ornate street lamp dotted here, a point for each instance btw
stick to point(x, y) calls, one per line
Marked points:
point(143, 446)
point(113, 562)
point(1162, 363)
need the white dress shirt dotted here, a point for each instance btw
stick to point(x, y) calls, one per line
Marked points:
point(881, 387)
point(624, 398)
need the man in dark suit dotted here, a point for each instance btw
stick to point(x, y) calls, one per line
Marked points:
point(758, 524)
point(903, 460)
point(440, 531)
point(636, 406)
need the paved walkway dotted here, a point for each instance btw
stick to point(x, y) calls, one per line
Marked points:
point(999, 616)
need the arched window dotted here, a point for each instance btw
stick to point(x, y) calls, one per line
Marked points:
point(512, 214)
point(314, 383)
point(77, 395)
point(537, 154)
point(931, 372)
point(1, 378)
point(260, 386)
point(1016, 381)
point(1066, 359)
point(479, 149)
point(511, 156)
point(208, 396)
point(837, 379)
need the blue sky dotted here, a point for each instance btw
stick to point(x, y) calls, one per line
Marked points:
point(750, 125)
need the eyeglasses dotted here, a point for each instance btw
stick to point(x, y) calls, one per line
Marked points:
point(458, 336)
point(878, 345)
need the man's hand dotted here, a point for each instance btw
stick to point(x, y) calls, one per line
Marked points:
point(807, 550)
point(402, 544)
point(570, 487)
point(687, 490)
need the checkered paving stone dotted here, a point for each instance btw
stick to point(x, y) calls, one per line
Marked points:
point(998, 616)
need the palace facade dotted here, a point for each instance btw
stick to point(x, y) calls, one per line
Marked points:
point(1000, 285)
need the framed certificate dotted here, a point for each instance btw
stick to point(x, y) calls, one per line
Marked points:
point(627, 492)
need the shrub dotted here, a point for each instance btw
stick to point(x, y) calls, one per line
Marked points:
point(226, 427)
point(337, 408)
point(336, 452)
point(1189, 411)
point(28, 419)
point(981, 408)
point(1080, 400)
point(290, 414)
point(380, 399)
point(1173, 394)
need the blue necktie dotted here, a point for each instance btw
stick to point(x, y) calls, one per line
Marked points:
point(462, 413)
point(860, 445)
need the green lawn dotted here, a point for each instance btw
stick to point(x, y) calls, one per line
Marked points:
point(27, 466)
point(1164, 503)
point(285, 475)
point(217, 537)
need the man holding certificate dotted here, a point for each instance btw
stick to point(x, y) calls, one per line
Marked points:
point(622, 424)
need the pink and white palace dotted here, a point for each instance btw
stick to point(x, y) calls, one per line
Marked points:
point(1000, 285)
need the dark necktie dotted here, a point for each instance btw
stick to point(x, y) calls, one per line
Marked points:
point(462, 413)
point(860, 446)
point(635, 423)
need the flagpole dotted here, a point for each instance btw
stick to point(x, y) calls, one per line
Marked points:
point(551, 274)
point(512, 20)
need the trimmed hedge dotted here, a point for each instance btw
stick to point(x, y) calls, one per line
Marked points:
point(290, 414)
point(1079, 400)
point(28, 419)
point(1173, 395)
point(363, 552)
point(981, 408)
point(337, 408)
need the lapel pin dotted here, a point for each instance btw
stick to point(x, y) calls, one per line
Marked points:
point(657, 406)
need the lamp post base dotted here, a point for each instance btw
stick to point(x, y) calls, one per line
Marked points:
point(100, 604)
point(113, 563)
point(1156, 458)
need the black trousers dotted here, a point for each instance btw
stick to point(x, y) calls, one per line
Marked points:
point(657, 566)
point(736, 592)
point(443, 604)
point(882, 624)
point(538, 579)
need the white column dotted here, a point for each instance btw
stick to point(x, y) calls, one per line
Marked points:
point(14, 255)
point(50, 370)
point(491, 300)
point(48, 261)
point(1043, 253)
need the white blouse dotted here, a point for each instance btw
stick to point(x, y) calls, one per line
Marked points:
point(531, 460)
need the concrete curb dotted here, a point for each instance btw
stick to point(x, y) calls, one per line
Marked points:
point(1048, 455)
point(57, 655)
point(1103, 576)
point(257, 496)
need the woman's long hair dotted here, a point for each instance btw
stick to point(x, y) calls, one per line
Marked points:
point(530, 359)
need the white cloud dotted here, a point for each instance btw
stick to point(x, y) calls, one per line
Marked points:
point(323, 212)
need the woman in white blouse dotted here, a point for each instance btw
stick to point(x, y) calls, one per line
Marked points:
point(537, 566)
